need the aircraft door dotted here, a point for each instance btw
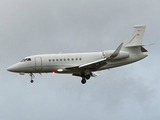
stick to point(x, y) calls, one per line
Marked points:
point(38, 63)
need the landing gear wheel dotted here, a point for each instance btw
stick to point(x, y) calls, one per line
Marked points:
point(32, 76)
point(83, 81)
point(32, 81)
point(87, 77)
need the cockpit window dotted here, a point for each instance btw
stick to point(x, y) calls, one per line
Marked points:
point(27, 59)
point(22, 60)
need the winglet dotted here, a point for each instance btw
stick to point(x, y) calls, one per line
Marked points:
point(116, 52)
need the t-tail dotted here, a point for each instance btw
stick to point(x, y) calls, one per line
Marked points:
point(132, 47)
point(133, 44)
point(134, 41)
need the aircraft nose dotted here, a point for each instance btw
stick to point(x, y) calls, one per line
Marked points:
point(13, 68)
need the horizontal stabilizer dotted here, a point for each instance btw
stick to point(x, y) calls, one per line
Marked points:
point(138, 45)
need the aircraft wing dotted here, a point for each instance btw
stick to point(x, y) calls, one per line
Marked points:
point(95, 65)
point(92, 65)
point(99, 63)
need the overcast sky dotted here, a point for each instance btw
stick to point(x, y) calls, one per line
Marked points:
point(28, 27)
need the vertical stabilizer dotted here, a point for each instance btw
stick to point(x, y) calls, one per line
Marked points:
point(135, 39)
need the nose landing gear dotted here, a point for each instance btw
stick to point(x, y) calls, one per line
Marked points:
point(32, 81)
point(32, 76)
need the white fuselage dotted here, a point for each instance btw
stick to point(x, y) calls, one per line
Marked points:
point(59, 63)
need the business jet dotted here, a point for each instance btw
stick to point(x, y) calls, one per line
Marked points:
point(85, 65)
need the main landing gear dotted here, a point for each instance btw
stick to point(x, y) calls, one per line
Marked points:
point(32, 76)
point(84, 77)
point(83, 81)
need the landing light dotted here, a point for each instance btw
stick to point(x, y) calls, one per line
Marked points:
point(60, 70)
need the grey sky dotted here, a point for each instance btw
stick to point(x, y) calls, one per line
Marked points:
point(40, 26)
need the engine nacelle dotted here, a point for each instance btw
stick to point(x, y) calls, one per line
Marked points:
point(121, 55)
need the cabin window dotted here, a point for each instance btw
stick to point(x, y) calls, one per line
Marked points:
point(80, 58)
point(72, 59)
point(49, 60)
point(56, 59)
point(76, 58)
point(64, 59)
point(68, 59)
point(60, 59)
point(53, 60)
